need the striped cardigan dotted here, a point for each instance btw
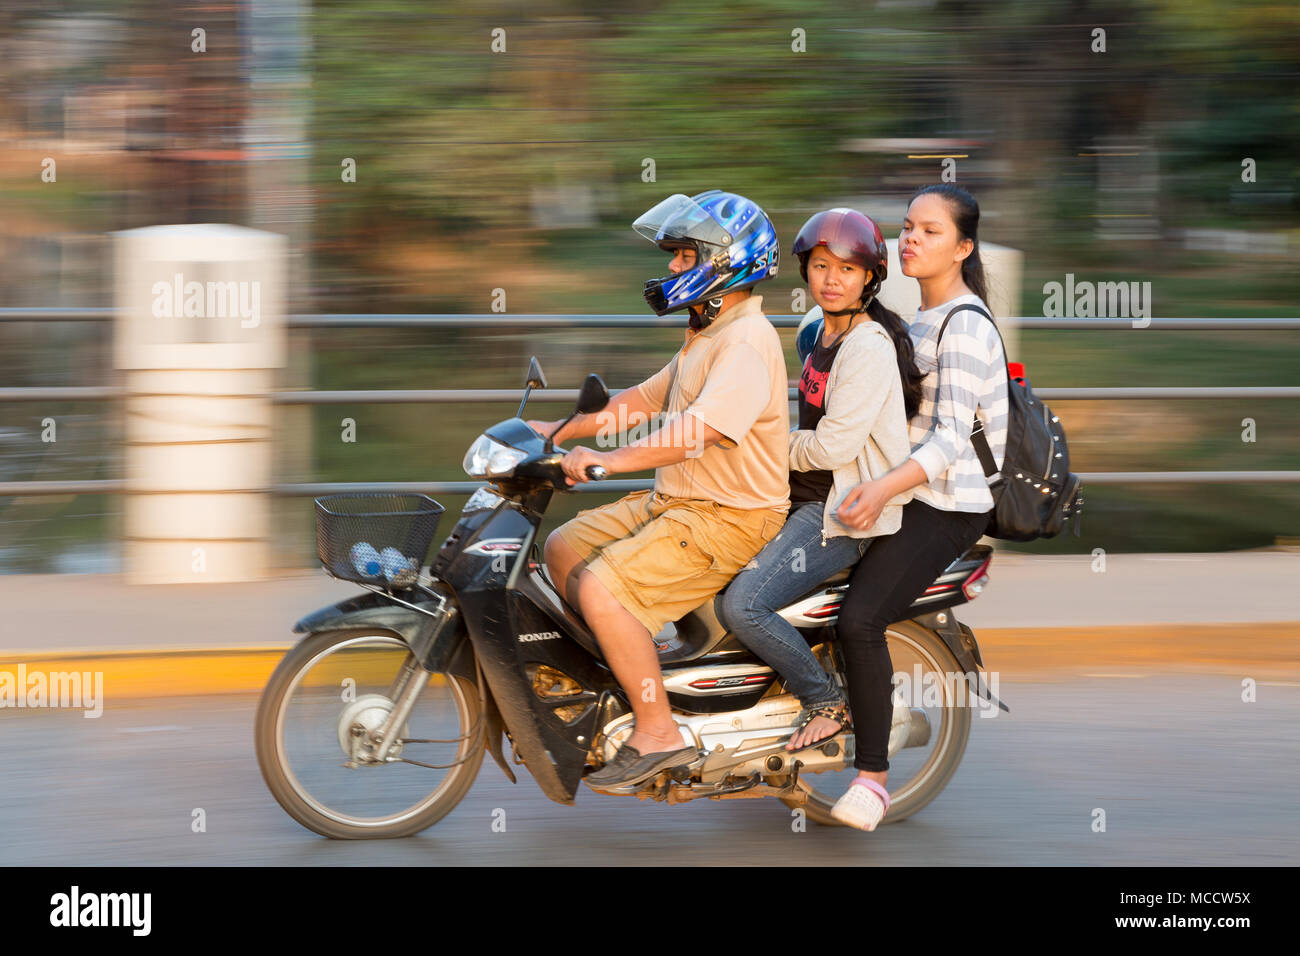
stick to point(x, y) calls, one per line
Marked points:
point(969, 378)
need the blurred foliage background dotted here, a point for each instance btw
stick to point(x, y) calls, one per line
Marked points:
point(500, 145)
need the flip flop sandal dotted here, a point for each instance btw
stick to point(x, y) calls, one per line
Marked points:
point(836, 712)
point(630, 766)
point(863, 806)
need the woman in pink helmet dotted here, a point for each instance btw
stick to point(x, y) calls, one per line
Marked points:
point(950, 502)
point(858, 388)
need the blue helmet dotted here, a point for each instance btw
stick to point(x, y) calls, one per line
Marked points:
point(809, 331)
point(734, 241)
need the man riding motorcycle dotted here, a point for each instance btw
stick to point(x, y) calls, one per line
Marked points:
point(721, 464)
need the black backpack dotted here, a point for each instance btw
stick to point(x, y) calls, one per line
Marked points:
point(1036, 492)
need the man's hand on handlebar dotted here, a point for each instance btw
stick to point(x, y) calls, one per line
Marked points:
point(580, 465)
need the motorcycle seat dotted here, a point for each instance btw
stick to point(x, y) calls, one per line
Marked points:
point(839, 577)
point(701, 634)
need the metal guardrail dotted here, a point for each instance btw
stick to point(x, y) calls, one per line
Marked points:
point(73, 393)
point(542, 322)
point(445, 396)
point(610, 321)
point(618, 486)
point(570, 395)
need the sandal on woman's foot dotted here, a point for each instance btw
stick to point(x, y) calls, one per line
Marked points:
point(836, 712)
point(863, 806)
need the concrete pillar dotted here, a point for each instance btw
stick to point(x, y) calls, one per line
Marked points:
point(1004, 269)
point(199, 332)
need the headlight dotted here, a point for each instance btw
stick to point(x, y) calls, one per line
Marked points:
point(488, 458)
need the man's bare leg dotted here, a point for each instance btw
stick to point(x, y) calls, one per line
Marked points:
point(561, 560)
point(630, 653)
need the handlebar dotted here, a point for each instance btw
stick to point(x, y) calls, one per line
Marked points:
point(596, 473)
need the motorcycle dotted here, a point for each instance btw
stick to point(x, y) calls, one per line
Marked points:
point(448, 661)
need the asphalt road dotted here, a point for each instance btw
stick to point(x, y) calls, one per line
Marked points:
point(1186, 772)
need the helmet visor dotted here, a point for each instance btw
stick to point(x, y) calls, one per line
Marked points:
point(846, 234)
point(680, 218)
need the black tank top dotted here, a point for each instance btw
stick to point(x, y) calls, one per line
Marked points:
point(813, 485)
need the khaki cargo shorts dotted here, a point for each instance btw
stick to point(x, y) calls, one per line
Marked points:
point(663, 557)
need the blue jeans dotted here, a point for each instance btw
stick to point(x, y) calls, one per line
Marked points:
point(792, 564)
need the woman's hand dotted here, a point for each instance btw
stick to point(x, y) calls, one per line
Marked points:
point(575, 463)
point(862, 505)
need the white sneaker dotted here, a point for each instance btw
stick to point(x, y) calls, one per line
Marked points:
point(863, 805)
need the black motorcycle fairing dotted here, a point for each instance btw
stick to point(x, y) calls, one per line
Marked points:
point(559, 612)
point(514, 626)
point(473, 529)
point(516, 433)
point(439, 646)
point(547, 658)
point(552, 753)
point(461, 536)
point(495, 727)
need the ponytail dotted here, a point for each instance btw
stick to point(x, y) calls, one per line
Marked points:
point(972, 273)
point(908, 373)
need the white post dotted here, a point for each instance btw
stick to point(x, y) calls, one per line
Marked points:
point(199, 331)
point(1004, 269)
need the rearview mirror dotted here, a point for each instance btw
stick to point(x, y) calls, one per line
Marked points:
point(593, 396)
point(535, 377)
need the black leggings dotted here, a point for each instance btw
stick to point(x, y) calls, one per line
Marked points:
point(894, 572)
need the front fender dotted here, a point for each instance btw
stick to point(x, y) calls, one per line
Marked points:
point(438, 638)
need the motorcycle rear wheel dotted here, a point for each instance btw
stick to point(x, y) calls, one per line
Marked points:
point(308, 696)
point(907, 642)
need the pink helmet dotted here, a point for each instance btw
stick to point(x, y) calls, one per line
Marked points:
point(849, 235)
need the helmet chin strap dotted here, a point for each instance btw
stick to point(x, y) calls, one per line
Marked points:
point(854, 310)
point(704, 318)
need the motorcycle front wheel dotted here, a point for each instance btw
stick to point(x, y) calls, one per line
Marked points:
point(320, 700)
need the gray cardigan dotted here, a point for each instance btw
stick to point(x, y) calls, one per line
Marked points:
point(864, 432)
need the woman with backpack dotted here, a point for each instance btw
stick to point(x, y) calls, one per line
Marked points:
point(951, 504)
point(859, 387)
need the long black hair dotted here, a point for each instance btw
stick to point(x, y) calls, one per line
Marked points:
point(966, 217)
point(908, 373)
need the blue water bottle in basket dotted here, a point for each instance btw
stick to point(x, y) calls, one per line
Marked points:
point(366, 559)
point(399, 570)
point(375, 538)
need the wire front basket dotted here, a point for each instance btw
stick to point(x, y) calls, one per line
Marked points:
point(379, 539)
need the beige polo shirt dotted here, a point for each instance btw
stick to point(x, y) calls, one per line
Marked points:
point(731, 376)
